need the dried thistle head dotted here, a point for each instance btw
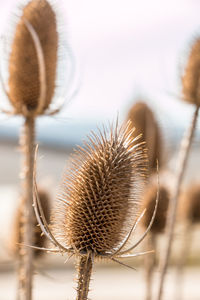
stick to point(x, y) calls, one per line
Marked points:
point(191, 76)
point(39, 240)
point(143, 120)
point(190, 204)
point(149, 199)
point(28, 81)
point(99, 199)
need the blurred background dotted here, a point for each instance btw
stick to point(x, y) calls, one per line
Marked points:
point(124, 51)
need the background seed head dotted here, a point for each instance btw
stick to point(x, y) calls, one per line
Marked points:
point(143, 120)
point(39, 241)
point(191, 76)
point(149, 200)
point(190, 204)
point(24, 84)
point(100, 194)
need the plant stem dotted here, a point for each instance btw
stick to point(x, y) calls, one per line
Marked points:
point(184, 154)
point(84, 275)
point(183, 256)
point(26, 253)
point(150, 261)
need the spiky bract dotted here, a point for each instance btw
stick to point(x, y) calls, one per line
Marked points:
point(24, 81)
point(149, 199)
point(39, 241)
point(99, 199)
point(191, 76)
point(190, 204)
point(143, 120)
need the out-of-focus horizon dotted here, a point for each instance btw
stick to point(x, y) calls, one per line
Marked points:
point(124, 50)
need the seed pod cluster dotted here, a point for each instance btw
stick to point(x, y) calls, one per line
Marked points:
point(149, 199)
point(99, 200)
point(24, 78)
point(143, 120)
point(191, 76)
point(39, 241)
point(190, 204)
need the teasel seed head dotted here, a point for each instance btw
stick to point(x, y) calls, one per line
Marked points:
point(190, 204)
point(148, 202)
point(191, 76)
point(99, 201)
point(39, 240)
point(24, 67)
point(143, 120)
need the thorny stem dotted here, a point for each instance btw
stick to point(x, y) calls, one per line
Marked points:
point(84, 275)
point(26, 253)
point(184, 154)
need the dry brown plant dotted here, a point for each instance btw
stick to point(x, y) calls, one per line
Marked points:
point(17, 234)
point(143, 119)
point(31, 85)
point(190, 82)
point(190, 78)
point(98, 207)
point(158, 227)
point(189, 215)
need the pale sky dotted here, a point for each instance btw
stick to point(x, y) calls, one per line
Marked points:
point(123, 48)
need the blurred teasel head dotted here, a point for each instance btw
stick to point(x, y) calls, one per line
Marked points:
point(191, 75)
point(142, 118)
point(148, 202)
point(17, 232)
point(38, 54)
point(190, 204)
point(99, 200)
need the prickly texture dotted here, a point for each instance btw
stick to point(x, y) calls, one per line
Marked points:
point(39, 241)
point(191, 76)
point(143, 120)
point(24, 82)
point(149, 200)
point(190, 204)
point(84, 268)
point(99, 199)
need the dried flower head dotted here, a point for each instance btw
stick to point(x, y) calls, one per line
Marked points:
point(149, 199)
point(97, 209)
point(33, 58)
point(143, 120)
point(190, 204)
point(99, 199)
point(39, 240)
point(191, 76)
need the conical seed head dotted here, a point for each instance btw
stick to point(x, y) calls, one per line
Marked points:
point(149, 200)
point(100, 195)
point(191, 76)
point(143, 120)
point(24, 81)
point(17, 234)
point(190, 204)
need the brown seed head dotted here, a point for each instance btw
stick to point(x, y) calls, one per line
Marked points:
point(143, 120)
point(190, 204)
point(99, 198)
point(24, 81)
point(39, 241)
point(191, 76)
point(149, 199)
